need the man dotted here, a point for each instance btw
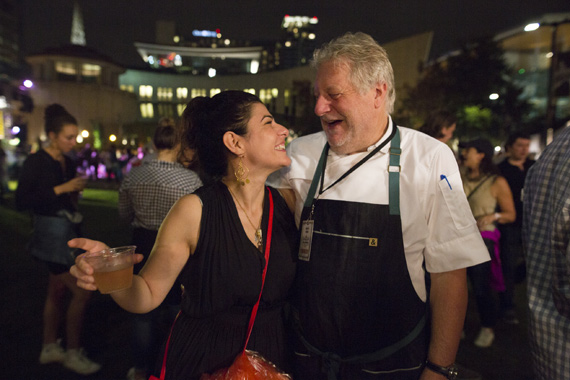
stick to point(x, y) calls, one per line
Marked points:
point(145, 197)
point(546, 228)
point(514, 168)
point(382, 202)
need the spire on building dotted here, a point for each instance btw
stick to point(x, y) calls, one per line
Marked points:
point(77, 31)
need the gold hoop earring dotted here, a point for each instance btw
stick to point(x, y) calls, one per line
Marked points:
point(241, 173)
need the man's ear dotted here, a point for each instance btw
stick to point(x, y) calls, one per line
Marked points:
point(234, 143)
point(381, 94)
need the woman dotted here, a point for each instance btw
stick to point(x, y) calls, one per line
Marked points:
point(440, 125)
point(486, 192)
point(212, 241)
point(49, 187)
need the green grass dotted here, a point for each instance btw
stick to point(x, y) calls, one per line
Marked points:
point(101, 197)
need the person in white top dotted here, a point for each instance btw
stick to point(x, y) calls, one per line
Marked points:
point(378, 206)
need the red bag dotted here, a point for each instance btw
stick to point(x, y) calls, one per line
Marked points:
point(249, 365)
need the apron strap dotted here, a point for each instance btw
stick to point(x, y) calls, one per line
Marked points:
point(331, 362)
point(315, 181)
point(394, 170)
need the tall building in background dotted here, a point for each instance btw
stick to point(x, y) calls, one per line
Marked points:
point(299, 41)
point(207, 62)
point(9, 39)
point(77, 31)
point(208, 52)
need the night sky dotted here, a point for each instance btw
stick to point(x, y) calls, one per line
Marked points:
point(111, 26)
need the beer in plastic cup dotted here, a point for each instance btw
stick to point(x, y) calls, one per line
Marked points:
point(112, 268)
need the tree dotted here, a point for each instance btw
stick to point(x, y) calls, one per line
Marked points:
point(462, 83)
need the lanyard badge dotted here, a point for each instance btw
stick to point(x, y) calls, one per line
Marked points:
point(306, 237)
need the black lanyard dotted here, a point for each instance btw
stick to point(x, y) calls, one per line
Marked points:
point(323, 163)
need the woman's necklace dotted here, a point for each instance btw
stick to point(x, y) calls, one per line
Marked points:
point(258, 232)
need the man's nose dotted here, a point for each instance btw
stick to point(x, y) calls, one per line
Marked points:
point(322, 106)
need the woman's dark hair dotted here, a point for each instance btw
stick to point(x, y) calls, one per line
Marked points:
point(436, 122)
point(165, 137)
point(206, 120)
point(56, 117)
point(487, 166)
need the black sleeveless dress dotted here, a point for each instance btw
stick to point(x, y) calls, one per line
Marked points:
point(222, 280)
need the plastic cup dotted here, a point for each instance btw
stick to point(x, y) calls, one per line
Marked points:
point(112, 268)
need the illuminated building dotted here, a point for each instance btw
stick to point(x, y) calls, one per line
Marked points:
point(166, 88)
point(85, 82)
point(109, 99)
point(197, 54)
point(299, 41)
point(539, 54)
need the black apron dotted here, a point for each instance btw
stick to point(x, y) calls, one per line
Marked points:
point(357, 313)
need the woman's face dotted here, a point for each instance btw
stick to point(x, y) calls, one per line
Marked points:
point(447, 133)
point(66, 139)
point(265, 140)
point(472, 158)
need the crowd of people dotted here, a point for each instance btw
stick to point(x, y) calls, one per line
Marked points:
point(371, 233)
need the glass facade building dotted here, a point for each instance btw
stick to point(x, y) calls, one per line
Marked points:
point(539, 54)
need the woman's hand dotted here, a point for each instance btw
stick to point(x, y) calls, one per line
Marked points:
point(71, 186)
point(485, 220)
point(82, 270)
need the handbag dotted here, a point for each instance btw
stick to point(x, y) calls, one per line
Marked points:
point(248, 365)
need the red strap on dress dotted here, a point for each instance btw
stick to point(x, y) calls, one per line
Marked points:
point(267, 246)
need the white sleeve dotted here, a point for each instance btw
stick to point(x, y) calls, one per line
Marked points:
point(453, 241)
point(279, 179)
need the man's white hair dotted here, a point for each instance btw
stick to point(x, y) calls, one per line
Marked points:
point(367, 60)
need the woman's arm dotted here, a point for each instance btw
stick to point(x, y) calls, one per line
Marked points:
point(504, 196)
point(176, 241)
point(71, 186)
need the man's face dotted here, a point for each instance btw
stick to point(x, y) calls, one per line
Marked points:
point(519, 149)
point(348, 118)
